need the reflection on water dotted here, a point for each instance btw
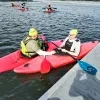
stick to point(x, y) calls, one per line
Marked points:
point(14, 25)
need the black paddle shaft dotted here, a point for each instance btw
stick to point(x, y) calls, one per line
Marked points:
point(66, 52)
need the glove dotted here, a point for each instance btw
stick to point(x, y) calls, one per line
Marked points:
point(63, 50)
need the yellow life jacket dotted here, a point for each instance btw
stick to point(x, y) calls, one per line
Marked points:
point(24, 49)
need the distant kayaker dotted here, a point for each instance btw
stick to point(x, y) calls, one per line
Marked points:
point(31, 45)
point(23, 5)
point(49, 8)
point(71, 44)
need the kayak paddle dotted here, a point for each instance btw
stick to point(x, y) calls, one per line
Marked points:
point(45, 66)
point(84, 65)
point(54, 8)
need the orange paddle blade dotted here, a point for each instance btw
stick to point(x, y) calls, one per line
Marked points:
point(45, 66)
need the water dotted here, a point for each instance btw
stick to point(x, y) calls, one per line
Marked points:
point(14, 25)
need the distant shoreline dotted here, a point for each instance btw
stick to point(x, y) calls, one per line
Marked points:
point(44, 0)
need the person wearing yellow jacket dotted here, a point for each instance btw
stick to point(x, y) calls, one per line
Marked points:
point(32, 46)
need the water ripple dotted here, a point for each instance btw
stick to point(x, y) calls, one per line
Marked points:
point(15, 24)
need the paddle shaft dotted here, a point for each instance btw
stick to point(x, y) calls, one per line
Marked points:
point(66, 52)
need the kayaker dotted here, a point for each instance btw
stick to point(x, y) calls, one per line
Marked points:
point(71, 44)
point(31, 45)
point(12, 4)
point(23, 5)
point(49, 8)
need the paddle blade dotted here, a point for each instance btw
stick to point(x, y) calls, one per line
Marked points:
point(43, 8)
point(45, 66)
point(87, 67)
point(54, 8)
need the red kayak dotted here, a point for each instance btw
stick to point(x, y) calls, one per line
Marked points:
point(15, 5)
point(13, 60)
point(49, 11)
point(23, 9)
point(56, 61)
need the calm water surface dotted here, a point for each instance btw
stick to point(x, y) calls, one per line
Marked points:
point(14, 25)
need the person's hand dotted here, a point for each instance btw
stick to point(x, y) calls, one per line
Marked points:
point(63, 50)
point(53, 52)
point(59, 48)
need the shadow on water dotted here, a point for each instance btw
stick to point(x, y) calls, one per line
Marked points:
point(54, 98)
point(85, 85)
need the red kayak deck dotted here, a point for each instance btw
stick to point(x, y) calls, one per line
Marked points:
point(49, 11)
point(15, 59)
point(34, 65)
point(23, 9)
point(11, 61)
point(15, 5)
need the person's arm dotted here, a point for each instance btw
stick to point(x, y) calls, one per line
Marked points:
point(41, 52)
point(77, 50)
point(35, 48)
